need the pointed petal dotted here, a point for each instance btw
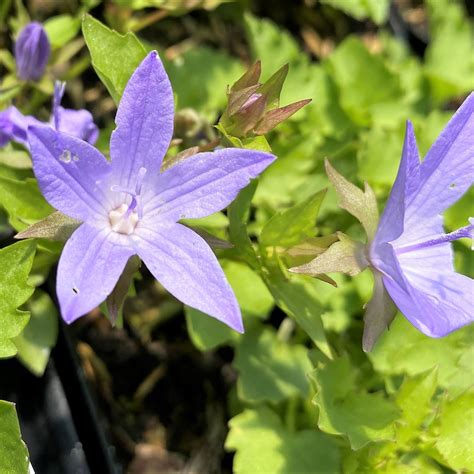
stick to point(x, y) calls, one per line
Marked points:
point(91, 263)
point(78, 123)
point(185, 265)
point(69, 173)
point(448, 169)
point(13, 126)
point(144, 122)
point(436, 300)
point(203, 184)
point(391, 223)
point(436, 314)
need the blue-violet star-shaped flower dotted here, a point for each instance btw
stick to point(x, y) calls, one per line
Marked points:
point(78, 123)
point(127, 207)
point(410, 247)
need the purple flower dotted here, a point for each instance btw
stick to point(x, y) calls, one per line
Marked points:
point(32, 50)
point(408, 252)
point(129, 208)
point(410, 247)
point(78, 123)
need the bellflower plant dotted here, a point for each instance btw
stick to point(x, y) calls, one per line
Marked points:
point(78, 123)
point(127, 207)
point(32, 51)
point(408, 251)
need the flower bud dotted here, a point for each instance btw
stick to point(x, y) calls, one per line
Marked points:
point(253, 108)
point(32, 50)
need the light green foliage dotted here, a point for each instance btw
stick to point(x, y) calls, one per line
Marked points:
point(39, 336)
point(175, 6)
point(265, 445)
point(454, 438)
point(405, 350)
point(254, 300)
point(404, 408)
point(21, 198)
point(414, 399)
point(239, 212)
point(270, 369)
point(449, 58)
point(200, 77)
point(379, 155)
point(15, 261)
point(299, 299)
point(276, 47)
point(114, 56)
point(290, 227)
point(377, 10)
point(61, 29)
point(344, 409)
point(362, 92)
point(13, 452)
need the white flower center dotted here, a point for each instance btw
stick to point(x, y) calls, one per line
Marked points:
point(123, 220)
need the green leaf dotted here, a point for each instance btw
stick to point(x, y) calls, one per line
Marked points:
point(254, 300)
point(450, 70)
point(270, 370)
point(379, 155)
point(200, 78)
point(362, 417)
point(265, 446)
point(454, 440)
point(293, 225)
point(275, 47)
point(363, 79)
point(405, 350)
point(298, 297)
point(15, 261)
point(23, 201)
point(61, 29)
point(238, 213)
point(376, 10)
point(414, 399)
point(114, 56)
point(34, 344)
point(13, 452)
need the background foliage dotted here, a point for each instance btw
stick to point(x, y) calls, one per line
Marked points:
point(305, 398)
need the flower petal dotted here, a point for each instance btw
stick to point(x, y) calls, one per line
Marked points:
point(436, 300)
point(91, 263)
point(185, 265)
point(69, 173)
point(144, 122)
point(391, 223)
point(13, 126)
point(78, 123)
point(447, 172)
point(203, 184)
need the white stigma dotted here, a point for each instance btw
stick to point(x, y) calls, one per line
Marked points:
point(122, 220)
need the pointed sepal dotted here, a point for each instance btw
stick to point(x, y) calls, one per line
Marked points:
point(379, 313)
point(361, 204)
